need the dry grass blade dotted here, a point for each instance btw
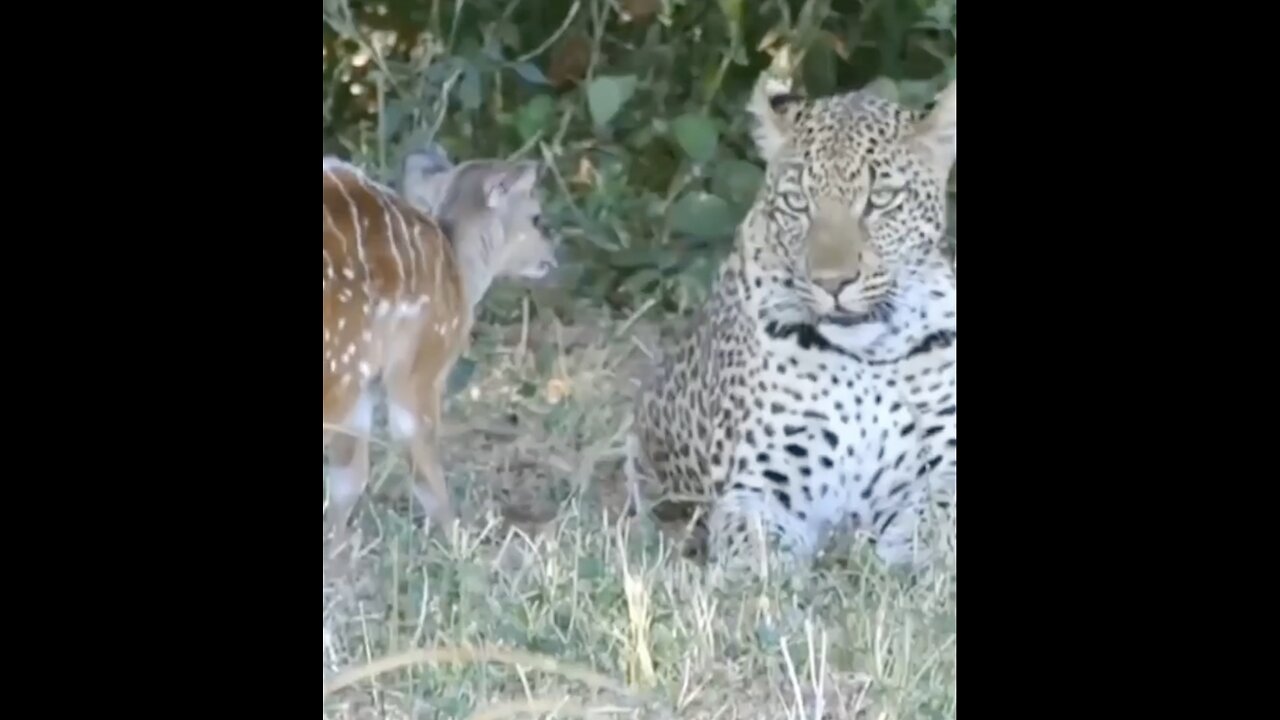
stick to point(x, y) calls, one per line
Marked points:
point(439, 655)
point(563, 707)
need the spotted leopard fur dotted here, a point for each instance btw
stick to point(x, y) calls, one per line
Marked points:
point(816, 392)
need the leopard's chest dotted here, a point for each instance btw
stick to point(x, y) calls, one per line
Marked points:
point(827, 431)
point(928, 377)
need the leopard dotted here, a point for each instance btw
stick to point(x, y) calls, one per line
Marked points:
point(813, 397)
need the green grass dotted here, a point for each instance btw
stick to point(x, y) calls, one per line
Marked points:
point(610, 621)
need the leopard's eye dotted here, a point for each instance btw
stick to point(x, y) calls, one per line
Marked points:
point(884, 198)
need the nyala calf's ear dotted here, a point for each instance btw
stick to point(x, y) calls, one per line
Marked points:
point(935, 136)
point(511, 180)
point(424, 177)
point(426, 162)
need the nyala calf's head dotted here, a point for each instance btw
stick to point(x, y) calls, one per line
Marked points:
point(490, 209)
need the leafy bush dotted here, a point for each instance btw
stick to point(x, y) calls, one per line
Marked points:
point(635, 105)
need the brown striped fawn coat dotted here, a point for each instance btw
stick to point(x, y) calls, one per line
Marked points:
point(403, 273)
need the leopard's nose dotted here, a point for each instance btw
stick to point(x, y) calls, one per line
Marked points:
point(834, 285)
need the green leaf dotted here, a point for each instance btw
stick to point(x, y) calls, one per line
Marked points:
point(601, 239)
point(917, 93)
point(492, 49)
point(882, 87)
point(535, 116)
point(393, 115)
point(819, 69)
point(732, 10)
point(607, 94)
point(703, 215)
point(469, 88)
point(509, 33)
point(699, 273)
point(697, 136)
point(639, 280)
point(460, 376)
point(737, 181)
point(531, 73)
point(641, 257)
point(938, 16)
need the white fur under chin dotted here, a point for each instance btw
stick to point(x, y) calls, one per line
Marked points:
point(857, 336)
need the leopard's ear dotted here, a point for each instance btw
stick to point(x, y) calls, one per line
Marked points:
point(935, 135)
point(772, 105)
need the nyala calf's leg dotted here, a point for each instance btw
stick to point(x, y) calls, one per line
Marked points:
point(414, 418)
point(348, 473)
point(348, 449)
point(348, 460)
point(430, 486)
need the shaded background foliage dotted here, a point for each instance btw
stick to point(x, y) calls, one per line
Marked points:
point(635, 105)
